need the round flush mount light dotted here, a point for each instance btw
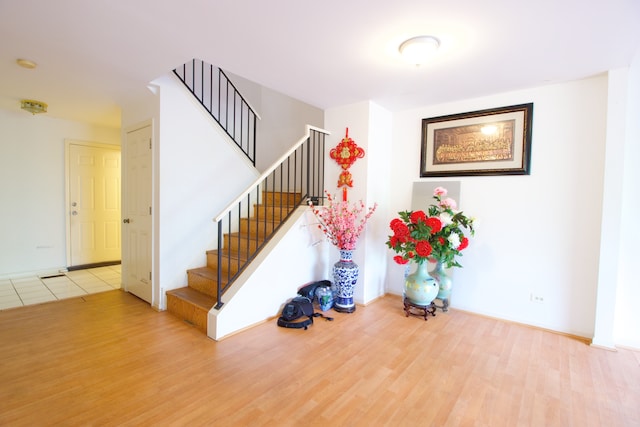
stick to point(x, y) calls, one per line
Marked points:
point(33, 106)
point(417, 50)
point(26, 63)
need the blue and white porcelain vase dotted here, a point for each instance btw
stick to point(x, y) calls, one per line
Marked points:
point(419, 287)
point(345, 277)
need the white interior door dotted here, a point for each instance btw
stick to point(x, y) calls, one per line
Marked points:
point(137, 215)
point(93, 203)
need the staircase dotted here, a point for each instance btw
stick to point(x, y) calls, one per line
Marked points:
point(248, 222)
point(193, 302)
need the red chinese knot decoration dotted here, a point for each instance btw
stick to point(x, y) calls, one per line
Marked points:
point(345, 154)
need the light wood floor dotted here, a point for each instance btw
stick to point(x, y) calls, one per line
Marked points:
point(109, 359)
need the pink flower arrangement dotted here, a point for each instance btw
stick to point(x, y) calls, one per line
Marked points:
point(342, 222)
point(437, 234)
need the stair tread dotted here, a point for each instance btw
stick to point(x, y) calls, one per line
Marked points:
point(272, 222)
point(225, 254)
point(276, 205)
point(243, 236)
point(207, 272)
point(193, 296)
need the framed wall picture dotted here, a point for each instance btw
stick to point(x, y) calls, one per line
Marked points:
point(487, 142)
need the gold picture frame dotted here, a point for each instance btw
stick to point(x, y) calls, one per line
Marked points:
point(496, 141)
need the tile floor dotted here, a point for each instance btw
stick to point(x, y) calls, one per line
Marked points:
point(35, 290)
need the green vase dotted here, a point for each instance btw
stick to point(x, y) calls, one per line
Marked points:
point(419, 287)
point(444, 285)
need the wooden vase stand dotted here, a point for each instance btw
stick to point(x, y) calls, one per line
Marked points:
point(423, 310)
point(445, 304)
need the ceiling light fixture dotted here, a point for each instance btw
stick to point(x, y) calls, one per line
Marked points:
point(25, 63)
point(34, 107)
point(418, 50)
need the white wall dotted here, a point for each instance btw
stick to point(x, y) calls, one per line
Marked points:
point(32, 193)
point(283, 119)
point(141, 109)
point(199, 173)
point(627, 330)
point(610, 229)
point(370, 127)
point(537, 234)
point(379, 191)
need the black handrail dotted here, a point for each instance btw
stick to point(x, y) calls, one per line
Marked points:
point(295, 178)
point(232, 112)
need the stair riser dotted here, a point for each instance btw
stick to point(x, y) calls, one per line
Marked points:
point(262, 212)
point(188, 312)
point(228, 267)
point(269, 198)
point(257, 228)
point(203, 284)
point(243, 244)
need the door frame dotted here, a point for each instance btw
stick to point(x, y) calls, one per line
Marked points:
point(157, 301)
point(67, 183)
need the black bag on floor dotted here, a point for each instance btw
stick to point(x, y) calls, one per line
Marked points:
point(298, 313)
point(309, 290)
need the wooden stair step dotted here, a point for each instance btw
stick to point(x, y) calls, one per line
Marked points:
point(204, 280)
point(258, 227)
point(276, 197)
point(193, 296)
point(270, 212)
point(230, 263)
point(242, 241)
point(190, 305)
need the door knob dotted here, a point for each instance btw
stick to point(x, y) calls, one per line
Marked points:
point(126, 221)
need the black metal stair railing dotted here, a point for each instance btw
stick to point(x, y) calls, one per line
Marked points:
point(247, 224)
point(218, 95)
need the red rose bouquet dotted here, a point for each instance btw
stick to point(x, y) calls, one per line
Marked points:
point(438, 234)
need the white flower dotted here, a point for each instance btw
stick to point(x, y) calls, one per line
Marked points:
point(445, 218)
point(454, 239)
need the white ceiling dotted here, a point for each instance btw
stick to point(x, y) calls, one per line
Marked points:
point(94, 55)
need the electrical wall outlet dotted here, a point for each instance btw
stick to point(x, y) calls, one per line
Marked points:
point(536, 298)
